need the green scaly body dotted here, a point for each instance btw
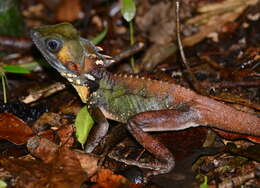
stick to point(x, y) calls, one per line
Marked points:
point(119, 102)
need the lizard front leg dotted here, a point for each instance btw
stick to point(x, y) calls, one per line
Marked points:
point(98, 131)
point(160, 120)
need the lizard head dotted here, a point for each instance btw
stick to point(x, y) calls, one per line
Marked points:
point(76, 58)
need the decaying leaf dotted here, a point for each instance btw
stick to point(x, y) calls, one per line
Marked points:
point(59, 166)
point(106, 179)
point(14, 129)
point(65, 134)
point(68, 10)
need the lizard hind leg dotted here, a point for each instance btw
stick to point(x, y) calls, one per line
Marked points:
point(164, 162)
point(160, 120)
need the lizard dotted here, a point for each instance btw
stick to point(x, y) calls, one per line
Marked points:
point(144, 104)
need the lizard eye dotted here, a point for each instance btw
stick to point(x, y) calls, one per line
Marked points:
point(53, 45)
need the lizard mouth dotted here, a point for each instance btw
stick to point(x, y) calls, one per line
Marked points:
point(72, 78)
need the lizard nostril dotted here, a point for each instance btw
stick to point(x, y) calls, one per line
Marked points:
point(33, 33)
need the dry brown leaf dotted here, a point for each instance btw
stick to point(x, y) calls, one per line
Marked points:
point(60, 167)
point(68, 10)
point(65, 134)
point(106, 179)
point(233, 136)
point(14, 129)
point(36, 174)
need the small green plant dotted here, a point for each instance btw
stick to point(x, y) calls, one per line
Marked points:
point(10, 69)
point(128, 10)
point(16, 69)
point(3, 184)
point(205, 183)
point(83, 125)
point(4, 84)
point(97, 39)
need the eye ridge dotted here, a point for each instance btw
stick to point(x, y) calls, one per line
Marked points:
point(53, 45)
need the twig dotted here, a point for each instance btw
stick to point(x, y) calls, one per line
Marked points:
point(44, 92)
point(137, 47)
point(194, 82)
point(243, 102)
point(21, 44)
point(4, 88)
point(233, 84)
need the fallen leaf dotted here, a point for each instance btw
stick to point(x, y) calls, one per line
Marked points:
point(49, 152)
point(234, 136)
point(106, 179)
point(68, 10)
point(65, 134)
point(35, 174)
point(60, 167)
point(47, 118)
point(14, 129)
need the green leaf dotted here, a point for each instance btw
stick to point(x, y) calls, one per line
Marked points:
point(31, 66)
point(97, 39)
point(15, 69)
point(128, 9)
point(2, 184)
point(205, 183)
point(83, 125)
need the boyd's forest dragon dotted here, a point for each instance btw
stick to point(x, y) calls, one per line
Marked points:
point(144, 104)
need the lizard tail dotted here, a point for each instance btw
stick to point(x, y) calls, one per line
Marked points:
point(222, 116)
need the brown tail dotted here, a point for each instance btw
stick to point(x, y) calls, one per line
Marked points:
point(222, 116)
